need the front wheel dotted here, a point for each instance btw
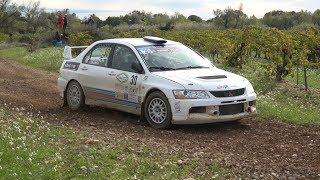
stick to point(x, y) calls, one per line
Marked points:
point(158, 111)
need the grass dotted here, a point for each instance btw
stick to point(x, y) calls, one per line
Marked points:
point(30, 148)
point(313, 78)
point(280, 101)
point(290, 105)
point(46, 58)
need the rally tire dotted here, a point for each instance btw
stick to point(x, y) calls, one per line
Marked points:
point(74, 96)
point(157, 110)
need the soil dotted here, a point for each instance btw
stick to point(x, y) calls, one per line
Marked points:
point(254, 148)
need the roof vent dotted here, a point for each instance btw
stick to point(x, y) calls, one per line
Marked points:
point(155, 39)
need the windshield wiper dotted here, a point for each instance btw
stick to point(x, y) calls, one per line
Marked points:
point(191, 67)
point(161, 68)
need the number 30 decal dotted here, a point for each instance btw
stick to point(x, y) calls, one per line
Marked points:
point(133, 80)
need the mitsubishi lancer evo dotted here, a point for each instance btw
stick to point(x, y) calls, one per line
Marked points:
point(163, 81)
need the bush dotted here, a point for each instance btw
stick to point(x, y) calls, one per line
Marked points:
point(80, 39)
point(3, 38)
point(34, 41)
point(194, 26)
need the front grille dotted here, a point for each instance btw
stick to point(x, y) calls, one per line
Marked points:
point(228, 93)
point(231, 109)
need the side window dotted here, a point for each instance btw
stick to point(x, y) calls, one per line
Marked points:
point(124, 58)
point(99, 55)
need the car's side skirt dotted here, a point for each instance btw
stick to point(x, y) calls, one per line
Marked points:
point(111, 105)
point(108, 98)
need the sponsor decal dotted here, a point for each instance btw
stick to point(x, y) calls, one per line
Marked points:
point(71, 66)
point(126, 88)
point(177, 106)
point(133, 98)
point(122, 78)
point(133, 90)
point(134, 80)
point(111, 96)
point(223, 87)
point(119, 87)
point(118, 95)
point(126, 96)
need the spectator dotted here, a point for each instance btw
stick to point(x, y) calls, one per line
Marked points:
point(65, 23)
point(60, 22)
point(57, 40)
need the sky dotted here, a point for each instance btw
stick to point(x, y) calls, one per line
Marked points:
point(202, 8)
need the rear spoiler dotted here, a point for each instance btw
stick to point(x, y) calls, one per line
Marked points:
point(67, 53)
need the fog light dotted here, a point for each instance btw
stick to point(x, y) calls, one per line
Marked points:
point(251, 109)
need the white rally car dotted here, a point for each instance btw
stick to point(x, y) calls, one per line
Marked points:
point(161, 80)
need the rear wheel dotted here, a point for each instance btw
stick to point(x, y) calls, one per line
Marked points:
point(75, 96)
point(158, 111)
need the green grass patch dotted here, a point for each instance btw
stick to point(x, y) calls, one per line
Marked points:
point(282, 106)
point(33, 149)
point(313, 78)
point(276, 101)
point(46, 58)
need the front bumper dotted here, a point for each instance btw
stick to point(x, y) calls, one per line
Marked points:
point(212, 111)
point(202, 118)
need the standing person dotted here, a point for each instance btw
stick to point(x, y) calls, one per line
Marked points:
point(60, 22)
point(57, 40)
point(65, 23)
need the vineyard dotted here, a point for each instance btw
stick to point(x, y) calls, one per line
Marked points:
point(281, 51)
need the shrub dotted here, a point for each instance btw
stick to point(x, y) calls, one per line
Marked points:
point(80, 39)
point(3, 38)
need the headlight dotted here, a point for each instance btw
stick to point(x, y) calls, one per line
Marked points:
point(190, 94)
point(249, 86)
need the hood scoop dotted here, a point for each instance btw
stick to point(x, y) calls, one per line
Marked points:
point(213, 77)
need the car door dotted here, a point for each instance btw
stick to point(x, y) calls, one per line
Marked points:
point(126, 73)
point(93, 74)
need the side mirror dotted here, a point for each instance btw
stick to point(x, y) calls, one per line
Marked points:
point(137, 68)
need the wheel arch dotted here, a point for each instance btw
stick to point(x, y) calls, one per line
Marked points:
point(167, 122)
point(65, 90)
point(145, 98)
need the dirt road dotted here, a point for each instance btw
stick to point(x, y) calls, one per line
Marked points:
point(253, 148)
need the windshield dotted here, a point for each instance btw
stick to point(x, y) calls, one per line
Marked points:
point(171, 57)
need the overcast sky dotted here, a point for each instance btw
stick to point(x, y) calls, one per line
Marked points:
point(203, 8)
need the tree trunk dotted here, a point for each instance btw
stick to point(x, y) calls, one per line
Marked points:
point(305, 78)
point(279, 72)
point(297, 75)
point(281, 69)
